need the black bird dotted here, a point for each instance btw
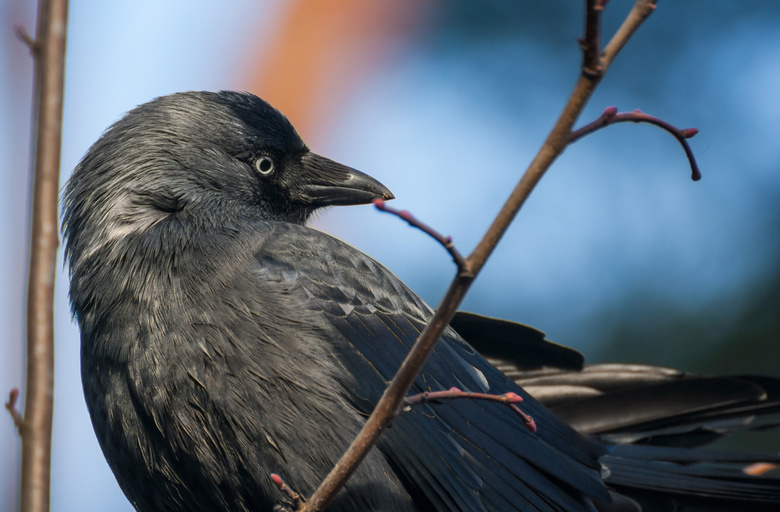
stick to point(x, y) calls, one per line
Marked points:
point(223, 341)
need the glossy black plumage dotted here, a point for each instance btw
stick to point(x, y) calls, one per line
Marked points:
point(650, 417)
point(222, 340)
point(624, 403)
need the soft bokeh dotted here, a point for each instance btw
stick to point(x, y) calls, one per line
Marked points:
point(446, 103)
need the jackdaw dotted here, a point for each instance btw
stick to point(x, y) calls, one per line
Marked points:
point(222, 340)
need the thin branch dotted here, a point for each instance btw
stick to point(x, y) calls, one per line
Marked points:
point(27, 39)
point(591, 43)
point(611, 116)
point(445, 241)
point(641, 10)
point(49, 54)
point(509, 399)
point(10, 406)
point(292, 496)
point(556, 142)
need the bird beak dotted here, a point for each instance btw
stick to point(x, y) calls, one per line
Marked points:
point(328, 183)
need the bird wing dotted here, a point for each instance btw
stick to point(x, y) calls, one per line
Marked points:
point(514, 347)
point(651, 415)
point(463, 454)
point(624, 403)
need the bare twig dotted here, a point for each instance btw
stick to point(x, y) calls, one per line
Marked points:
point(10, 406)
point(294, 497)
point(641, 10)
point(445, 241)
point(591, 43)
point(25, 37)
point(556, 142)
point(48, 49)
point(509, 399)
point(611, 116)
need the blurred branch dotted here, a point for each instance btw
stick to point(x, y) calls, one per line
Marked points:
point(390, 402)
point(25, 37)
point(611, 116)
point(10, 406)
point(48, 50)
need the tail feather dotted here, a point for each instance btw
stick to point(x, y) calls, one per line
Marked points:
point(652, 420)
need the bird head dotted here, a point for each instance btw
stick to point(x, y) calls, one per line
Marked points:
point(206, 159)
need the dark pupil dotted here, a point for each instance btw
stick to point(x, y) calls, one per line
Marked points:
point(265, 164)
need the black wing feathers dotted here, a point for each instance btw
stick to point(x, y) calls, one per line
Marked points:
point(378, 318)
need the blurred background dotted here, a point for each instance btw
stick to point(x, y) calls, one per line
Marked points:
point(617, 253)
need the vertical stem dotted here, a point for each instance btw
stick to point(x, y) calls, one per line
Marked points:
point(49, 54)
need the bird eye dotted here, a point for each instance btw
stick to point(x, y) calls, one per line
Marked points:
point(264, 165)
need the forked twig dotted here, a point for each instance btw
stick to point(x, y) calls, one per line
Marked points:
point(10, 406)
point(612, 116)
point(27, 39)
point(445, 241)
point(509, 399)
point(294, 497)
